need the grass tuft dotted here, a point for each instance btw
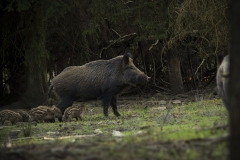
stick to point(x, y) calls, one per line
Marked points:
point(27, 129)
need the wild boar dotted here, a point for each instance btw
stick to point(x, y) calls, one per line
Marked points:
point(25, 115)
point(54, 110)
point(101, 79)
point(9, 115)
point(57, 113)
point(222, 79)
point(74, 112)
point(41, 114)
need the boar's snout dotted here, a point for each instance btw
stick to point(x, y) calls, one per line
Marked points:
point(148, 78)
point(142, 79)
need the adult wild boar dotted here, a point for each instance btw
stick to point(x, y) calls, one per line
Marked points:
point(223, 79)
point(101, 79)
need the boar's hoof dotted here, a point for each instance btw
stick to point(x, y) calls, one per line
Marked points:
point(117, 114)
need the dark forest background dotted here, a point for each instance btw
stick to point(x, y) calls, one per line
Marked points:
point(174, 42)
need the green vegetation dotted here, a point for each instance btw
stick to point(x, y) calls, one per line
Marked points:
point(192, 131)
point(27, 129)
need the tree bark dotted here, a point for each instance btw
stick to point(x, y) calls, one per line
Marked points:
point(234, 86)
point(175, 76)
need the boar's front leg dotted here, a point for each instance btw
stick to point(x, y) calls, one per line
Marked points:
point(64, 103)
point(106, 99)
point(224, 90)
point(113, 104)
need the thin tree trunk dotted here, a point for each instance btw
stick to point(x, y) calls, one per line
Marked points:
point(175, 76)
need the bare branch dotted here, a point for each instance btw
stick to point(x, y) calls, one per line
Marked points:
point(199, 66)
point(115, 41)
point(115, 32)
point(154, 44)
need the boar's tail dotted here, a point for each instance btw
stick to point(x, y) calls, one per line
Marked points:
point(48, 95)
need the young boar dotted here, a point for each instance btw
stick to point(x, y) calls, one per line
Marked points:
point(41, 114)
point(9, 115)
point(54, 110)
point(57, 113)
point(101, 79)
point(25, 115)
point(74, 112)
point(223, 79)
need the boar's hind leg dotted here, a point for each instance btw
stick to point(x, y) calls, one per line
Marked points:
point(113, 104)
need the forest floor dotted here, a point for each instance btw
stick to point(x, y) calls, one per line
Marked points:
point(154, 127)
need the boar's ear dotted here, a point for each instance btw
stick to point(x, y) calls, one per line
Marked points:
point(126, 57)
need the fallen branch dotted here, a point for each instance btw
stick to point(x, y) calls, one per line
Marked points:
point(66, 137)
point(115, 32)
point(163, 88)
point(27, 138)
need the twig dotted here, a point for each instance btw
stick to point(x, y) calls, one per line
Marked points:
point(115, 32)
point(127, 2)
point(164, 81)
point(165, 89)
point(200, 66)
point(115, 41)
point(154, 44)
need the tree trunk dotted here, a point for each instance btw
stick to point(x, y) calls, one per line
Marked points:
point(35, 56)
point(234, 86)
point(175, 76)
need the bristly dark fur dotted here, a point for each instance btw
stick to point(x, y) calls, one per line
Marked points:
point(103, 79)
point(42, 114)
